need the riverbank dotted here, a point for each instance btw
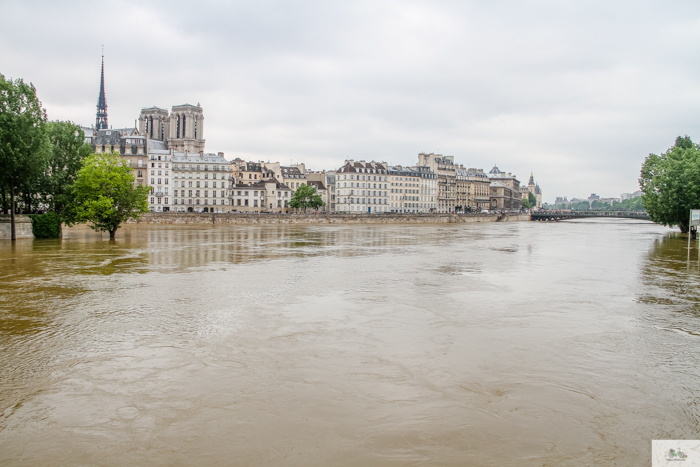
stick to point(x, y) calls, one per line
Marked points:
point(23, 226)
point(205, 218)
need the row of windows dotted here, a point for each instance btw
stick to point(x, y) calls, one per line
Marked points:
point(189, 184)
point(363, 177)
point(206, 201)
point(364, 185)
point(262, 193)
point(189, 193)
point(362, 192)
point(244, 202)
point(362, 201)
point(192, 167)
point(206, 176)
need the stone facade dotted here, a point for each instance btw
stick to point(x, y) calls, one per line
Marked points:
point(202, 182)
point(404, 189)
point(23, 227)
point(362, 187)
point(472, 186)
point(444, 167)
point(504, 190)
point(182, 130)
point(269, 196)
point(428, 193)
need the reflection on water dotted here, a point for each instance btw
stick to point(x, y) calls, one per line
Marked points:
point(572, 343)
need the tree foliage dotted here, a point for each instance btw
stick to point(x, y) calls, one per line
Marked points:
point(46, 225)
point(105, 194)
point(670, 183)
point(67, 152)
point(305, 197)
point(532, 199)
point(23, 142)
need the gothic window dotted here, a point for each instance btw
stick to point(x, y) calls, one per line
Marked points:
point(162, 130)
point(151, 126)
point(178, 126)
point(195, 128)
point(146, 119)
point(184, 120)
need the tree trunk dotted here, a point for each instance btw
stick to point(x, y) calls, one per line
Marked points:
point(4, 199)
point(113, 232)
point(13, 234)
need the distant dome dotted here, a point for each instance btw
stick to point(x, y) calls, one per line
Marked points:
point(495, 170)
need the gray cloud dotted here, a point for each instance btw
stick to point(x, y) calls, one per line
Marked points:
point(576, 91)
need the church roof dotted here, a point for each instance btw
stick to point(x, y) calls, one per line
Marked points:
point(494, 170)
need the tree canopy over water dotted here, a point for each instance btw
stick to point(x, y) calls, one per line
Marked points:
point(670, 183)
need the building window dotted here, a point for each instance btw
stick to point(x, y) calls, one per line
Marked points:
point(246, 202)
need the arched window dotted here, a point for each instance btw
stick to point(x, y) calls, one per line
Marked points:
point(151, 126)
point(178, 126)
point(195, 127)
point(184, 120)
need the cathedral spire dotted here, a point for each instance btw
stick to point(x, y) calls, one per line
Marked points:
point(101, 120)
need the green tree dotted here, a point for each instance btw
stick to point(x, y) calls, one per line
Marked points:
point(23, 142)
point(526, 203)
point(532, 199)
point(599, 205)
point(670, 184)
point(105, 194)
point(305, 197)
point(68, 150)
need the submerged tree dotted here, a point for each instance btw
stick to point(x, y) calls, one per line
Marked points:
point(23, 142)
point(105, 194)
point(670, 184)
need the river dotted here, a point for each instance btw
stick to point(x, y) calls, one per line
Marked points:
point(511, 344)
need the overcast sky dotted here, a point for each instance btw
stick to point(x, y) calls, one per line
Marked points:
point(578, 92)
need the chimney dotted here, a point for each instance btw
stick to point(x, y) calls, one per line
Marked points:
point(221, 154)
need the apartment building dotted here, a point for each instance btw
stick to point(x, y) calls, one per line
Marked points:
point(362, 187)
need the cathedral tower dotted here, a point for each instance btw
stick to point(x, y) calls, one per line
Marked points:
point(186, 128)
point(155, 123)
point(101, 120)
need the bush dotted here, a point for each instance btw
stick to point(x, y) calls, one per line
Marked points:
point(46, 225)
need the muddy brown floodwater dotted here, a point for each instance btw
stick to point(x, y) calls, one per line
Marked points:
point(519, 344)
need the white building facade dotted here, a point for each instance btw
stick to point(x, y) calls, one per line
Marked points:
point(362, 187)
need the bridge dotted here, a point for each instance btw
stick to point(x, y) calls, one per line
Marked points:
point(564, 215)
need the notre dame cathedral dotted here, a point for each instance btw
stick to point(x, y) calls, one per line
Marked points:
point(182, 130)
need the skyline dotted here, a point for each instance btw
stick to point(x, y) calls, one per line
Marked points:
point(578, 93)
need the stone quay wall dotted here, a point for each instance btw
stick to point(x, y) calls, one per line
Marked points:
point(23, 227)
point(209, 218)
